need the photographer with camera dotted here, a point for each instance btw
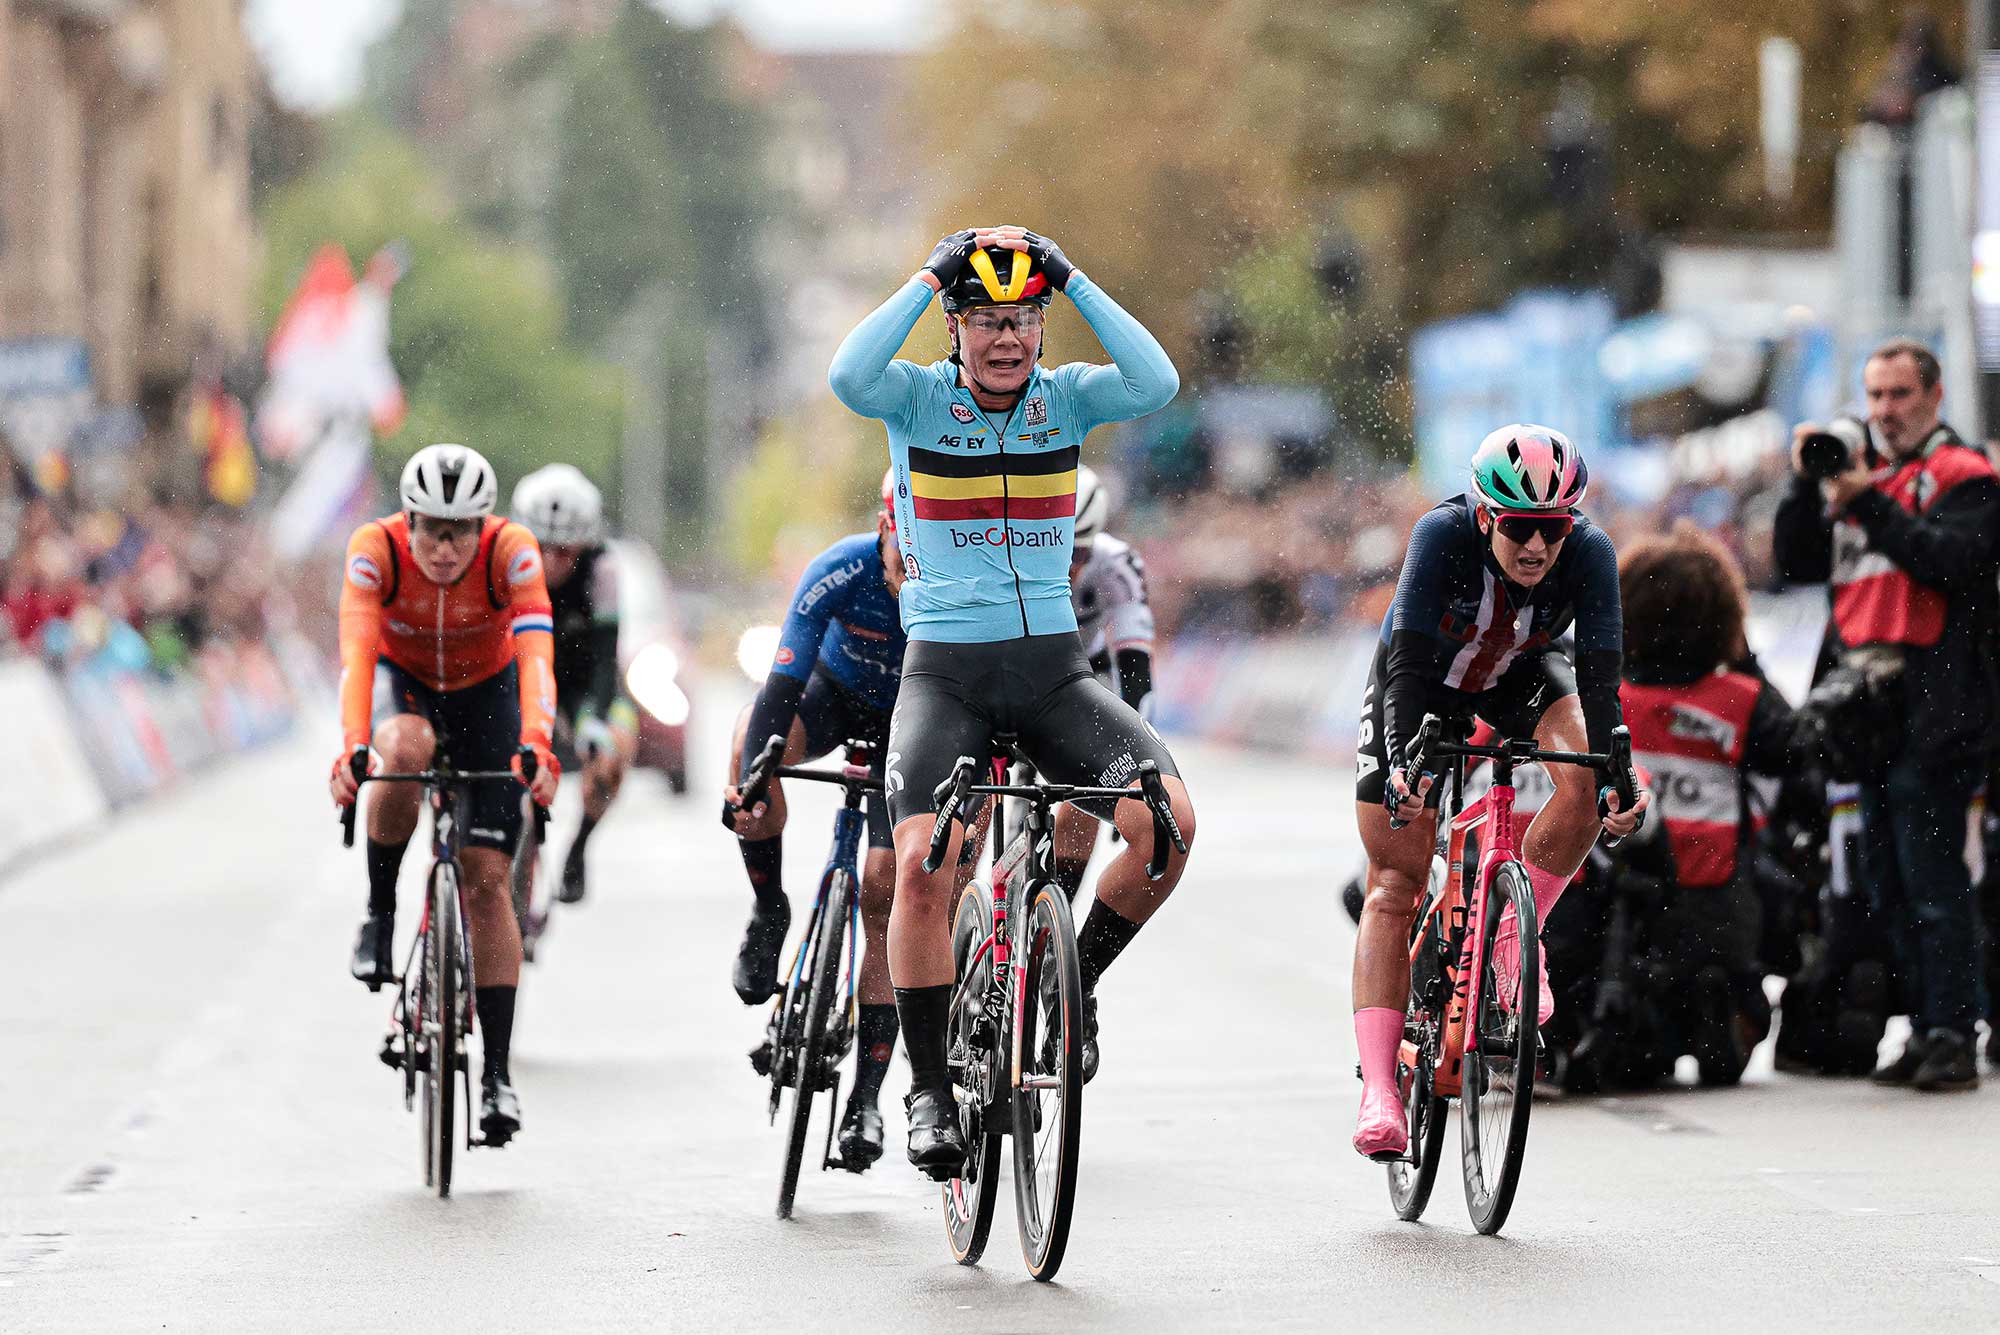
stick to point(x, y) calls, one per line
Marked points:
point(1902, 519)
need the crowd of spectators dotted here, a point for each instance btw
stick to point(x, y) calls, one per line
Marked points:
point(1322, 554)
point(149, 585)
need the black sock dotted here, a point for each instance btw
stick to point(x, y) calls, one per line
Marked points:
point(874, 1046)
point(925, 1013)
point(385, 863)
point(496, 1021)
point(1069, 875)
point(1104, 934)
point(765, 862)
point(583, 829)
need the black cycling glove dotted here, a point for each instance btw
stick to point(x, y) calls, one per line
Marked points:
point(1055, 264)
point(948, 257)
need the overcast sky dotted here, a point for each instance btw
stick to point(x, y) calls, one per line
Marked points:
point(313, 48)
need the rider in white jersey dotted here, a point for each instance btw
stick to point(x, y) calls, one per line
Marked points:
point(1114, 621)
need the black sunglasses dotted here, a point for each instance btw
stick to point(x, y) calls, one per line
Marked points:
point(1522, 528)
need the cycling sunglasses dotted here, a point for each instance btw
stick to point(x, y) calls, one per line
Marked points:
point(1522, 528)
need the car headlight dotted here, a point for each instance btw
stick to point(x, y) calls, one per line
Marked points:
point(755, 651)
point(650, 679)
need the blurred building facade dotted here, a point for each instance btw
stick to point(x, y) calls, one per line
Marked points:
point(126, 231)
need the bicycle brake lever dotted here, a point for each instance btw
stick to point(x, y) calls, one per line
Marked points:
point(950, 796)
point(357, 765)
point(754, 783)
point(1165, 828)
point(1618, 766)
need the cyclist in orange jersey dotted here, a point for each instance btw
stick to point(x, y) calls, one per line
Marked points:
point(447, 644)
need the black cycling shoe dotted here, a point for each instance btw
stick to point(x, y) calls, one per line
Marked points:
point(499, 1112)
point(1950, 1063)
point(374, 960)
point(572, 887)
point(756, 977)
point(1089, 1036)
point(1903, 1070)
point(1718, 1044)
point(861, 1136)
point(937, 1144)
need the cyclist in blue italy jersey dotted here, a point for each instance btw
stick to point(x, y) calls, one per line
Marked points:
point(983, 447)
point(1491, 581)
point(832, 680)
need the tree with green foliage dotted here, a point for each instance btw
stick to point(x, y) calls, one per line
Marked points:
point(1185, 152)
point(476, 329)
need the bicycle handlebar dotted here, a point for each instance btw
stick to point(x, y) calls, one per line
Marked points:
point(359, 764)
point(951, 796)
point(1613, 765)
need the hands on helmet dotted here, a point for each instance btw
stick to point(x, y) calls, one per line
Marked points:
point(547, 772)
point(1045, 252)
point(948, 258)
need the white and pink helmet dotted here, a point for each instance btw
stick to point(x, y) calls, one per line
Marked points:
point(1526, 467)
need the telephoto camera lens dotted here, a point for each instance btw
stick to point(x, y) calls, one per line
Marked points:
point(1830, 452)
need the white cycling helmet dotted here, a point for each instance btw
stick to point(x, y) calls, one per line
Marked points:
point(449, 482)
point(560, 506)
point(1093, 503)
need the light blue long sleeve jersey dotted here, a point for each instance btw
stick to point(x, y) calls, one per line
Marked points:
point(986, 502)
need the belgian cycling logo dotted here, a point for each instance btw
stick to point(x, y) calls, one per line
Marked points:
point(364, 573)
point(523, 567)
point(1118, 772)
point(962, 413)
point(1036, 411)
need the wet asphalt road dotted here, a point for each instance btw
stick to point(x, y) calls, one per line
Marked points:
point(195, 1134)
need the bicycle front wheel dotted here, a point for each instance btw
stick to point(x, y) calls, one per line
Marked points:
point(822, 981)
point(443, 980)
point(1499, 1071)
point(1048, 1104)
point(1410, 1183)
point(975, 1077)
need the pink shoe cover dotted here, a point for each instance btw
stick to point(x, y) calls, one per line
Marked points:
point(1383, 1131)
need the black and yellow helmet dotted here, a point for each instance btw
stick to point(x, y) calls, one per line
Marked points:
point(996, 276)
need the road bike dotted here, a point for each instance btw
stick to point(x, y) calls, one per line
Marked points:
point(1014, 1042)
point(1463, 1039)
point(815, 1017)
point(433, 1012)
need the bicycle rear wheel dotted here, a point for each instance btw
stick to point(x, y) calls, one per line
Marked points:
point(970, 1044)
point(822, 981)
point(1410, 1183)
point(1048, 1106)
point(1499, 1071)
point(442, 982)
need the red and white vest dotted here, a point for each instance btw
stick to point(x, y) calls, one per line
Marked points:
point(1691, 739)
point(1874, 600)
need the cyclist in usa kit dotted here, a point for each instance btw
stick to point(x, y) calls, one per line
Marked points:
point(984, 446)
point(832, 680)
point(1491, 580)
